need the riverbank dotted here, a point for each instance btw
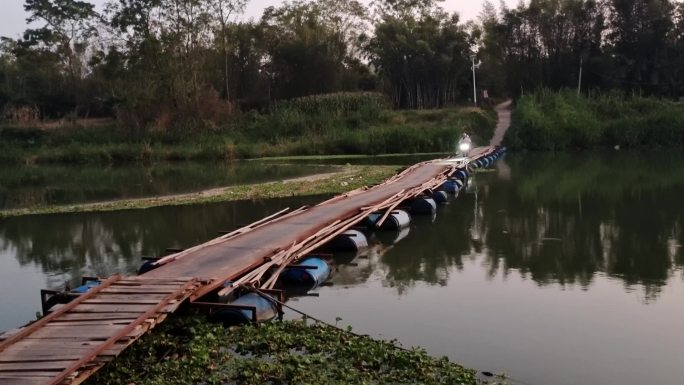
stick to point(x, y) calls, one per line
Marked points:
point(554, 121)
point(336, 124)
point(188, 350)
point(349, 178)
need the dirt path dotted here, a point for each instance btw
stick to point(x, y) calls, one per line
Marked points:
point(503, 111)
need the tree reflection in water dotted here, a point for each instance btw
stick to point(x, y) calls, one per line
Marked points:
point(556, 219)
point(559, 219)
point(67, 246)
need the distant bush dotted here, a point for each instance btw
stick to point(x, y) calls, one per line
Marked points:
point(337, 104)
point(21, 115)
point(562, 120)
point(342, 123)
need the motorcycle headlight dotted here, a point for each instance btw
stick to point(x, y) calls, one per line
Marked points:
point(464, 147)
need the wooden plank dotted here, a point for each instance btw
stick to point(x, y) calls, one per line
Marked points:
point(36, 356)
point(42, 374)
point(151, 285)
point(223, 238)
point(90, 332)
point(135, 290)
point(87, 329)
point(43, 351)
point(96, 316)
point(152, 281)
point(103, 321)
point(107, 301)
point(76, 328)
point(51, 344)
point(43, 321)
point(26, 355)
point(129, 297)
point(35, 366)
point(182, 290)
point(104, 308)
point(161, 281)
point(18, 380)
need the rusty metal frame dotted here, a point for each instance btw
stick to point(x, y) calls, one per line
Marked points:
point(50, 298)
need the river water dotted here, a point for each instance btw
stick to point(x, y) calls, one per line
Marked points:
point(553, 269)
point(30, 186)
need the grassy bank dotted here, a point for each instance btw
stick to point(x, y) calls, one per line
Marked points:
point(562, 120)
point(317, 125)
point(191, 351)
point(350, 178)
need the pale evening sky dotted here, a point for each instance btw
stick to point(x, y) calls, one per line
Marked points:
point(13, 17)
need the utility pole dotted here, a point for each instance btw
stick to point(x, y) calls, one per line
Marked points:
point(579, 84)
point(474, 85)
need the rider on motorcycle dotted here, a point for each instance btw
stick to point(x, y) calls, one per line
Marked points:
point(464, 144)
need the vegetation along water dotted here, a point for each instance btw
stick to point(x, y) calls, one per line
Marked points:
point(549, 120)
point(122, 123)
point(549, 281)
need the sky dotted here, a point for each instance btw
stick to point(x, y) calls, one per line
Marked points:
point(13, 17)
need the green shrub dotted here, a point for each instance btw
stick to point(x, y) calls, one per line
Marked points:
point(562, 120)
point(336, 124)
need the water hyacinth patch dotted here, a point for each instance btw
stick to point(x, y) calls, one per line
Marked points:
point(188, 350)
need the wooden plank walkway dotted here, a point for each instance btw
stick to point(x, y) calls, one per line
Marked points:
point(222, 260)
point(73, 341)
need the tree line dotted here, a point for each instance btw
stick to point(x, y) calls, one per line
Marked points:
point(636, 46)
point(155, 62)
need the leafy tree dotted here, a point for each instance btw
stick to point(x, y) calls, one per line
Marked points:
point(541, 44)
point(638, 39)
point(159, 63)
point(68, 26)
point(421, 52)
point(222, 11)
point(306, 50)
point(675, 69)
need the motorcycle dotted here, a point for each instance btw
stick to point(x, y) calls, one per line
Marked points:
point(464, 146)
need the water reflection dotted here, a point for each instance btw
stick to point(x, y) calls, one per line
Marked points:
point(556, 226)
point(30, 186)
point(561, 220)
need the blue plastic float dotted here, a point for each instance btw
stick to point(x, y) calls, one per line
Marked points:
point(349, 240)
point(396, 220)
point(440, 197)
point(266, 310)
point(423, 206)
point(313, 272)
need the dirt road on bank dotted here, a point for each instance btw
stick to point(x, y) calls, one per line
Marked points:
point(503, 112)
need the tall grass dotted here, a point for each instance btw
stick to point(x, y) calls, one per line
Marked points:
point(346, 123)
point(549, 120)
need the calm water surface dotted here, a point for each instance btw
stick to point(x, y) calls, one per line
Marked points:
point(30, 186)
point(551, 269)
